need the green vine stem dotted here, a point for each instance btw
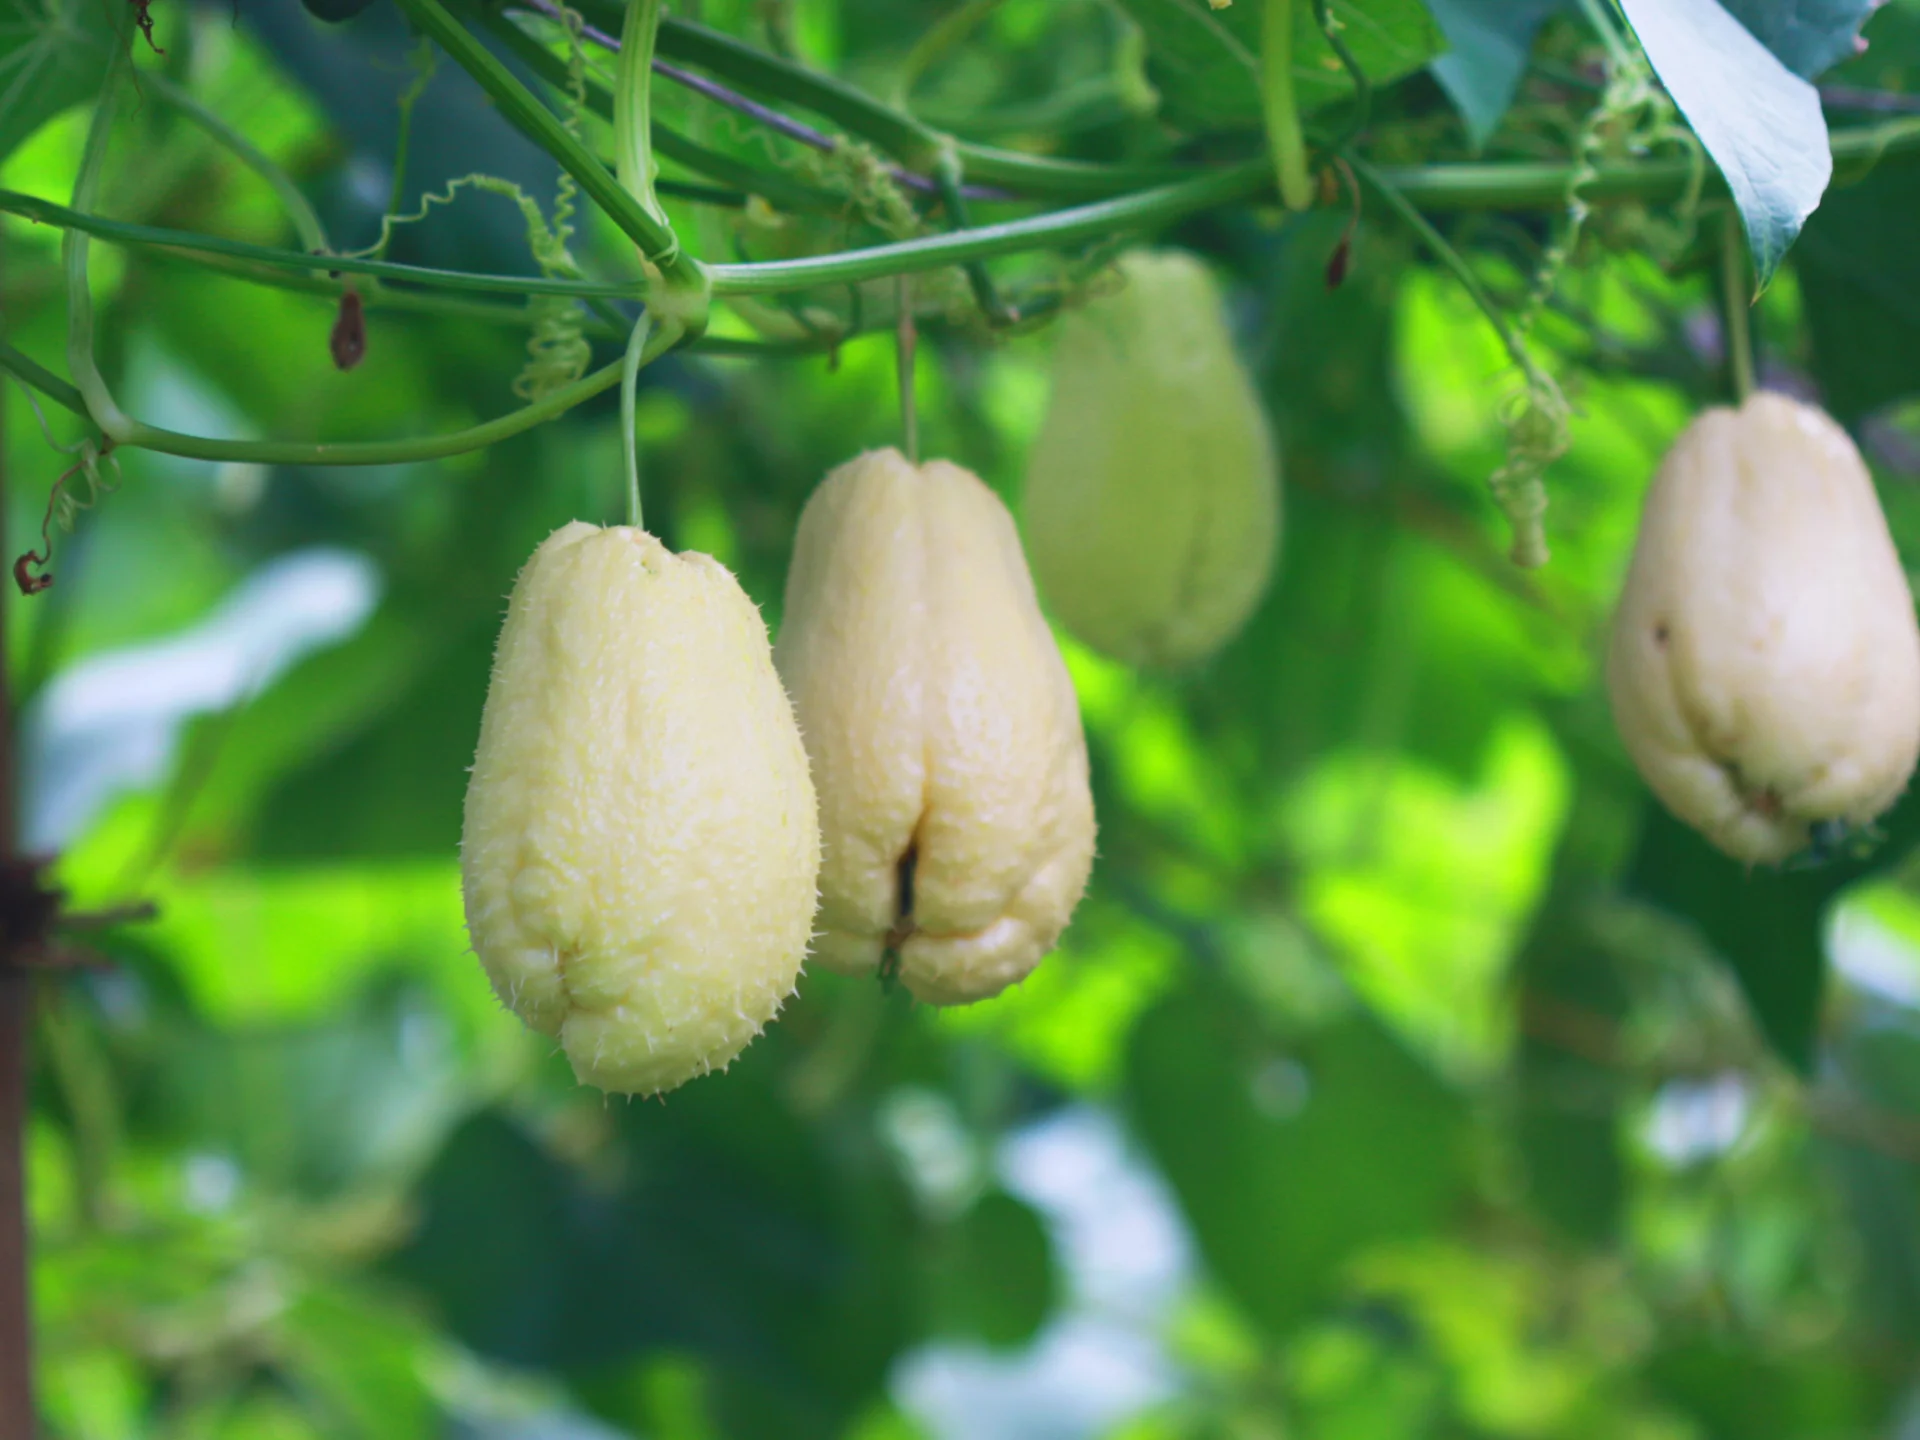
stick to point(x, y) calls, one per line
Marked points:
point(1439, 188)
point(679, 305)
point(357, 452)
point(1600, 19)
point(185, 244)
point(1736, 295)
point(629, 427)
point(655, 239)
point(1145, 210)
point(1537, 417)
point(906, 345)
point(1362, 86)
point(306, 222)
point(901, 136)
point(1437, 245)
point(906, 139)
point(1285, 139)
point(97, 402)
point(950, 175)
point(633, 118)
point(773, 186)
point(75, 246)
point(425, 64)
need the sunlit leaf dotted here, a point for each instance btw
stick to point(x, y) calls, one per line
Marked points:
point(1256, 1138)
point(1759, 121)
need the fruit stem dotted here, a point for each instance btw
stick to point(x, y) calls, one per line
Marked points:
point(907, 338)
point(1737, 301)
point(1284, 136)
point(629, 439)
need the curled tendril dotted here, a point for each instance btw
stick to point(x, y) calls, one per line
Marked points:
point(558, 352)
point(1632, 117)
point(64, 504)
point(1536, 418)
point(856, 171)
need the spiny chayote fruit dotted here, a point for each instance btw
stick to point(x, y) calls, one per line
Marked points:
point(641, 841)
point(1765, 662)
point(943, 730)
point(1152, 504)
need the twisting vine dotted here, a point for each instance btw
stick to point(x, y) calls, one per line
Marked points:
point(1116, 200)
point(558, 352)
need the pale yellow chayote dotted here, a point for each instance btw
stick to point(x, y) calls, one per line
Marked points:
point(1152, 504)
point(1765, 661)
point(944, 733)
point(641, 842)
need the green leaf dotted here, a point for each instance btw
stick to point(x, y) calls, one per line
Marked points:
point(1491, 40)
point(1759, 121)
point(1205, 62)
point(1288, 1160)
point(53, 54)
point(1766, 924)
point(1731, 1392)
point(992, 1276)
point(1860, 283)
point(1568, 1118)
point(1809, 36)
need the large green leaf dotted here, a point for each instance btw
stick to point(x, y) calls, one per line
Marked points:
point(1860, 280)
point(1289, 1159)
point(53, 53)
point(1206, 62)
point(1765, 923)
point(1759, 121)
point(992, 1277)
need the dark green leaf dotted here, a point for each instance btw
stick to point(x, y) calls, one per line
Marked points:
point(1262, 1142)
point(1491, 40)
point(53, 54)
point(335, 11)
point(993, 1277)
point(1859, 274)
point(1737, 1393)
point(1759, 121)
point(1765, 923)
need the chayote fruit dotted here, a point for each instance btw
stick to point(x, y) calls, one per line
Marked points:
point(1765, 662)
point(943, 730)
point(641, 841)
point(1152, 505)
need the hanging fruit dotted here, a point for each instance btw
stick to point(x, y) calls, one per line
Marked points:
point(944, 733)
point(1765, 661)
point(1152, 503)
point(641, 842)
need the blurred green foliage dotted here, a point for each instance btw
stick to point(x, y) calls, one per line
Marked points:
point(1398, 1076)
